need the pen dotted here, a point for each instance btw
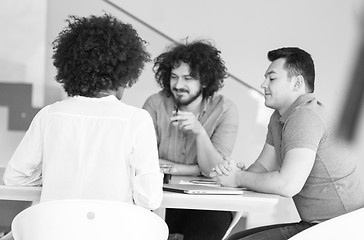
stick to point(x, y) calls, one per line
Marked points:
point(175, 110)
point(175, 113)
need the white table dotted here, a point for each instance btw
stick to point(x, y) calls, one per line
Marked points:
point(248, 204)
point(249, 201)
point(19, 193)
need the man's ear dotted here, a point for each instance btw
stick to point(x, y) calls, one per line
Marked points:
point(299, 82)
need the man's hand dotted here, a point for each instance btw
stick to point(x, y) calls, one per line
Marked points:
point(222, 168)
point(179, 168)
point(241, 165)
point(186, 121)
point(227, 173)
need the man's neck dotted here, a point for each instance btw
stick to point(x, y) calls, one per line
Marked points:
point(293, 99)
point(194, 107)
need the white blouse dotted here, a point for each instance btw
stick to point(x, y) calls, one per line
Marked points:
point(95, 148)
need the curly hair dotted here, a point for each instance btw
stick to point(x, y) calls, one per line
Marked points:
point(203, 59)
point(98, 53)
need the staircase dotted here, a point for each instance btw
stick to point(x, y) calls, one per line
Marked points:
point(18, 98)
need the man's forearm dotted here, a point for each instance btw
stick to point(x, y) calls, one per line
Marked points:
point(207, 155)
point(257, 168)
point(182, 169)
point(268, 182)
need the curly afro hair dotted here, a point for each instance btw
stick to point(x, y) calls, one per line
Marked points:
point(98, 53)
point(204, 61)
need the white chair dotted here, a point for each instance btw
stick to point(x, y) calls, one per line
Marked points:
point(236, 218)
point(87, 219)
point(347, 226)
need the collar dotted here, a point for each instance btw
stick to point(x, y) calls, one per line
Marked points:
point(106, 98)
point(299, 101)
point(203, 108)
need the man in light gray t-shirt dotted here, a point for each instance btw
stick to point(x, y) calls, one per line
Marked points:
point(301, 157)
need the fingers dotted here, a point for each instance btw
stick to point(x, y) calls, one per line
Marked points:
point(183, 117)
point(224, 167)
point(218, 170)
point(213, 174)
point(187, 124)
point(173, 170)
point(179, 122)
point(241, 165)
point(167, 168)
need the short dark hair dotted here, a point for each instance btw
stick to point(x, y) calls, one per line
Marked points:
point(203, 59)
point(298, 62)
point(98, 53)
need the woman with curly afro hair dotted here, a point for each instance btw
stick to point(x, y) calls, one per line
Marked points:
point(98, 54)
point(196, 127)
point(92, 145)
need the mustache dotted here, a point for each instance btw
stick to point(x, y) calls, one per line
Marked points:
point(180, 90)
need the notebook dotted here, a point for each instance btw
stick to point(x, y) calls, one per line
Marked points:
point(201, 189)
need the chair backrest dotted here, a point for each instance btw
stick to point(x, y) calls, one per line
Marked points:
point(346, 226)
point(87, 219)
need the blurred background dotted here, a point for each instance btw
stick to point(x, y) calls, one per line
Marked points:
point(243, 30)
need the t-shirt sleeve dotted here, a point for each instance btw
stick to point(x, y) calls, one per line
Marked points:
point(269, 138)
point(303, 129)
point(151, 105)
point(225, 134)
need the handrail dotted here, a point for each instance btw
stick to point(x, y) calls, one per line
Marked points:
point(172, 40)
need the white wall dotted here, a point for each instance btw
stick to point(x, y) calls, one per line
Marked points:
point(244, 31)
point(22, 59)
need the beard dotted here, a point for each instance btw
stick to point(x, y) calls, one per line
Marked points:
point(180, 101)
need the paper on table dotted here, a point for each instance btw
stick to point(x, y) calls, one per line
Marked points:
point(195, 182)
point(201, 183)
